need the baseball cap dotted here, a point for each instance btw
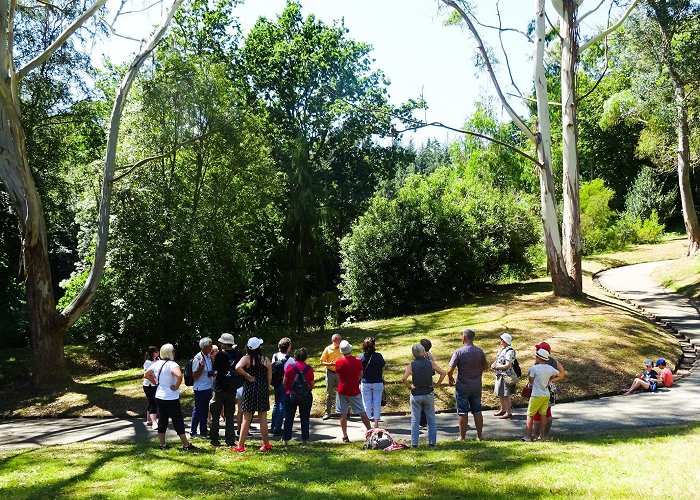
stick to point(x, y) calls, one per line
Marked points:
point(254, 342)
point(660, 361)
point(544, 345)
point(648, 362)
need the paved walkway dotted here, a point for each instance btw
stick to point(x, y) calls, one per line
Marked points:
point(678, 405)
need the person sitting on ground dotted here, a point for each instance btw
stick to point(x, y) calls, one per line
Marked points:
point(647, 380)
point(372, 386)
point(665, 375)
point(150, 389)
point(301, 398)
point(539, 377)
point(257, 371)
point(548, 417)
point(422, 393)
point(349, 370)
point(167, 375)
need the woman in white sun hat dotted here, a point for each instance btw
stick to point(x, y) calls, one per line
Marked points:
point(257, 371)
point(504, 387)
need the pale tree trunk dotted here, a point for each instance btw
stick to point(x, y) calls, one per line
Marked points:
point(571, 223)
point(690, 218)
point(47, 327)
point(561, 283)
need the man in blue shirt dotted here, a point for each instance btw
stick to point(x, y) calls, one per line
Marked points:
point(203, 374)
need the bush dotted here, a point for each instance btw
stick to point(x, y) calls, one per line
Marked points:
point(647, 195)
point(440, 238)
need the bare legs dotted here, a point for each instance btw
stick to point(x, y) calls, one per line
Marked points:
point(638, 383)
point(506, 405)
point(245, 427)
point(344, 423)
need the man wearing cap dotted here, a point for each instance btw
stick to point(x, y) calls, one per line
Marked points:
point(548, 417)
point(203, 374)
point(470, 362)
point(226, 382)
point(504, 387)
point(665, 375)
point(539, 377)
point(349, 371)
point(330, 355)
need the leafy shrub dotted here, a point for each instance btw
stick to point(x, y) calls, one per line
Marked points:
point(647, 195)
point(649, 230)
point(435, 242)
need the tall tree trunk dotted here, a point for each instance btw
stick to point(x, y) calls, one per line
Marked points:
point(690, 218)
point(571, 226)
point(561, 283)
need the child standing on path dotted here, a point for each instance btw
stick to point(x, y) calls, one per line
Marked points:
point(539, 376)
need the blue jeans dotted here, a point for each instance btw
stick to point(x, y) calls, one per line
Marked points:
point(279, 409)
point(426, 403)
point(200, 412)
point(304, 416)
point(372, 399)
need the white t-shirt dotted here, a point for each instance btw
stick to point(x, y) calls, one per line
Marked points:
point(279, 356)
point(165, 379)
point(203, 382)
point(541, 375)
point(146, 365)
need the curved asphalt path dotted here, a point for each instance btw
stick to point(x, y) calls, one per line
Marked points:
point(678, 405)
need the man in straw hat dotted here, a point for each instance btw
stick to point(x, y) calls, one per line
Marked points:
point(226, 382)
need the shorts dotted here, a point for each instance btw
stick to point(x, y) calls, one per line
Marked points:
point(468, 402)
point(538, 404)
point(342, 402)
point(652, 386)
point(537, 417)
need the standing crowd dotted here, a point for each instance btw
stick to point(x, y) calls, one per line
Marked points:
point(231, 385)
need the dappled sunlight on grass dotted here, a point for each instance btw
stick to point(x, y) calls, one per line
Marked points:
point(601, 467)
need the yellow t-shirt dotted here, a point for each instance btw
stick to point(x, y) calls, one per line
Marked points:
point(331, 353)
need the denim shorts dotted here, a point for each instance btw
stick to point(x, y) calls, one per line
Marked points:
point(342, 402)
point(467, 403)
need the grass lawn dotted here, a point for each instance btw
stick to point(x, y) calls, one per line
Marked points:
point(682, 276)
point(578, 330)
point(653, 463)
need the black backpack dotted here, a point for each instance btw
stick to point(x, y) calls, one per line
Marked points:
point(189, 374)
point(516, 365)
point(231, 379)
point(278, 370)
point(299, 392)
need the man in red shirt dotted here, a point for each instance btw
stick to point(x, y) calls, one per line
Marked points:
point(349, 370)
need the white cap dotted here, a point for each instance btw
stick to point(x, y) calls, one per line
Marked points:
point(542, 354)
point(345, 347)
point(506, 337)
point(254, 342)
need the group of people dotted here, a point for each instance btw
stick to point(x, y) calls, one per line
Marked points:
point(226, 379)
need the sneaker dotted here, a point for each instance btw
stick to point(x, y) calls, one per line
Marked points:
point(189, 447)
point(277, 433)
point(238, 449)
point(215, 442)
point(266, 447)
point(284, 442)
point(165, 446)
point(304, 442)
point(326, 416)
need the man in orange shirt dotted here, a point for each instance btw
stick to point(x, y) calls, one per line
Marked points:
point(666, 375)
point(330, 355)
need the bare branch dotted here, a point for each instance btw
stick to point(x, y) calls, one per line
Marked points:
point(38, 60)
point(511, 112)
point(531, 99)
point(125, 37)
point(600, 4)
point(82, 301)
point(418, 125)
point(501, 28)
point(503, 48)
point(49, 4)
point(612, 28)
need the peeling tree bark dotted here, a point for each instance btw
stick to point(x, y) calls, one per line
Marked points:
point(47, 327)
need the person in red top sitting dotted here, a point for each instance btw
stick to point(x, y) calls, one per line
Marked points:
point(349, 370)
point(665, 375)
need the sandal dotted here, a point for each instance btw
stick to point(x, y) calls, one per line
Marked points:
point(346, 440)
point(266, 447)
point(507, 415)
point(526, 439)
point(238, 449)
point(165, 446)
point(499, 414)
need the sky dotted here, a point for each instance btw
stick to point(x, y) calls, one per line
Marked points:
point(419, 54)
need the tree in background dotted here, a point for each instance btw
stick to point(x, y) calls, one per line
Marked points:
point(325, 108)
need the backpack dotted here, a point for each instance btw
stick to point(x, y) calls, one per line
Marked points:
point(232, 380)
point(299, 392)
point(378, 439)
point(516, 365)
point(189, 374)
point(278, 370)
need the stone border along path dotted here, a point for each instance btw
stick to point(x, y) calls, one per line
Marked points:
point(678, 405)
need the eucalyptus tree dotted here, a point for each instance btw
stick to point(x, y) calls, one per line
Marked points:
point(47, 327)
point(563, 252)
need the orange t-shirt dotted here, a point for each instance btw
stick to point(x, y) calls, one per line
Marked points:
point(666, 376)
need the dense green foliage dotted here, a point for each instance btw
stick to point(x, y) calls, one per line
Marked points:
point(440, 239)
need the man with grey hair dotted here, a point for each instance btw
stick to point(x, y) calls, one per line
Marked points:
point(330, 355)
point(203, 374)
point(470, 361)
